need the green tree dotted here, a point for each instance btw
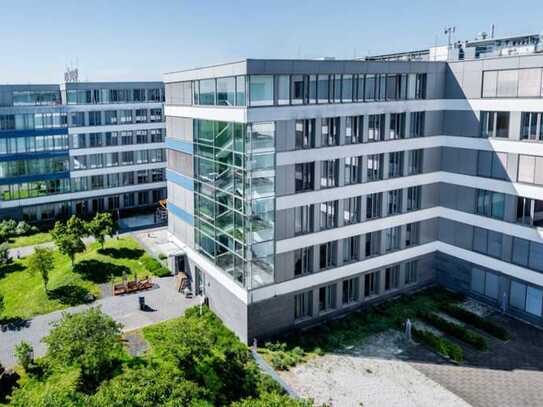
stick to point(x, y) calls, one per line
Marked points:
point(68, 237)
point(89, 340)
point(272, 400)
point(24, 352)
point(41, 261)
point(4, 254)
point(101, 226)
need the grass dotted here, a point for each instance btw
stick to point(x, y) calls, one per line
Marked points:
point(29, 240)
point(24, 294)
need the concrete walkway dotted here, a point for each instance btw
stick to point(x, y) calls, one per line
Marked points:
point(24, 251)
point(164, 300)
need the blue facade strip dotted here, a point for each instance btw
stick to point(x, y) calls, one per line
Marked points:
point(181, 213)
point(179, 145)
point(33, 132)
point(34, 155)
point(33, 178)
point(181, 180)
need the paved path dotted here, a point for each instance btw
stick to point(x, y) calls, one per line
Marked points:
point(164, 299)
point(24, 251)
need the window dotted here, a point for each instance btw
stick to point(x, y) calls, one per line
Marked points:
point(376, 127)
point(526, 298)
point(490, 204)
point(411, 272)
point(351, 249)
point(261, 90)
point(328, 218)
point(394, 202)
point(327, 255)
point(494, 124)
point(240, 91)
point(373, 243)
point(95, 118)
point(487, 242)
point(414, 162)
point(413, 198)
point(412, 234)
point(299, 90)
point(420, 86)
point(303, 219)
point(226, 91)
point(347, 88)
point(141, 137)
point(395, 164)
point(370, 93)
point(110, 117)
point(371, 284)
point(530, 124)
point(373, 205)
point(304, 174)
point(282, 83)
point(417, 124)
point(125, 116)
point(330, 131)
point(303, 261)
point(375, 167)
point(323, 88)
point(329, 170)
point(392, 278)
point(351, 210)
point(392, 238)
point(397, 126)
point(354, 126)
point(353, 170)
point(350, 289)
point(529, 211)
point(327, 298)
point(78, 119)
point(305, 134)
point(303, 305)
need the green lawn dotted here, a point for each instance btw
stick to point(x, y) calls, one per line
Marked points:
point(36, 238)
point(24, 294)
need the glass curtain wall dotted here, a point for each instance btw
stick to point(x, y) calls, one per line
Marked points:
point(234, 198)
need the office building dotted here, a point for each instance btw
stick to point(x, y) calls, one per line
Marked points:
point(80, 148)
point(299, 190)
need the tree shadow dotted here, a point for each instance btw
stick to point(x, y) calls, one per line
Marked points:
point(13, 324)
point(12, 267)
point(99, 272)
point(70, 295)
point(8, 383)
point(121, 253)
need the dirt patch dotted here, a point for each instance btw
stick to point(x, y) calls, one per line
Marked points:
point(369, 374)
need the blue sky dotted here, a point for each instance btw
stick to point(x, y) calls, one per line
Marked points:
point(141, 39)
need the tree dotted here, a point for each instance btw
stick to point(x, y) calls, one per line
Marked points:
point(41, 261)
point(89, 340)
point(272, 400)
point(4, 254)
point(24, 352)
point(101, 226)
point(67, 237)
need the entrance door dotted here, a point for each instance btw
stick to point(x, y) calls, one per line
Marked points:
point(199, 282)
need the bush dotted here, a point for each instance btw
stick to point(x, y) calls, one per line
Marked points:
point(154, 267)
point(4, 254)
point(24, 352)
point(24, 228)
point(438, 344)
point(458, 331)
point(477, 321)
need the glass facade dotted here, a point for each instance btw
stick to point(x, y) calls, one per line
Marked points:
point(234, 173)
point(270, 90)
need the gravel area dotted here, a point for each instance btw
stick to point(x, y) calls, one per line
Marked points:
point(371, 374)
point(476, 307)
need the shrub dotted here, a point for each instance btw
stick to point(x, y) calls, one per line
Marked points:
point(4, 254)
point(477, 321)
point(24, 352)
point(23, 228)
point(458, 331)
point(438, 344)
point(154, 267)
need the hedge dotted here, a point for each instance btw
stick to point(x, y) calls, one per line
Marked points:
point(458, 331)
point(154, 267)
point(477, 321)
point(439, 344)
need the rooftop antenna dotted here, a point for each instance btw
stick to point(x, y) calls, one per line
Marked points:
point(449, 31)
point(492, 29)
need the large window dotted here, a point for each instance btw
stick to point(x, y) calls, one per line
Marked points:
point(531, 126)
point(417, 124)
point(397, 126)
point(490, 204)
point(330, 131)
point(526, 298)
point(350, 289)
point(394, 202)
point(392, 238)
point(375, 167)
point(329, 173)
point(484, 283)
point(328, 215)
point(261, 90)
point(494, 124)
point(303, 261)
point(328, 255)
point(353, 129)
point(303, 219)
point(353, 170)
point(414, 198)
point(351, 249)
point(376, 127)
point(327, 298)
point(303, 305)
point(373, 243)
point(374, 205)
point(412, 234)
point(305, 134)
point(304, 176)
point(414, 162)
point(411, 272)
point(395, 164)
point(512, 83)
point(392, 278)
point(371, 284)
point(226, 91)
point(351, 210)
